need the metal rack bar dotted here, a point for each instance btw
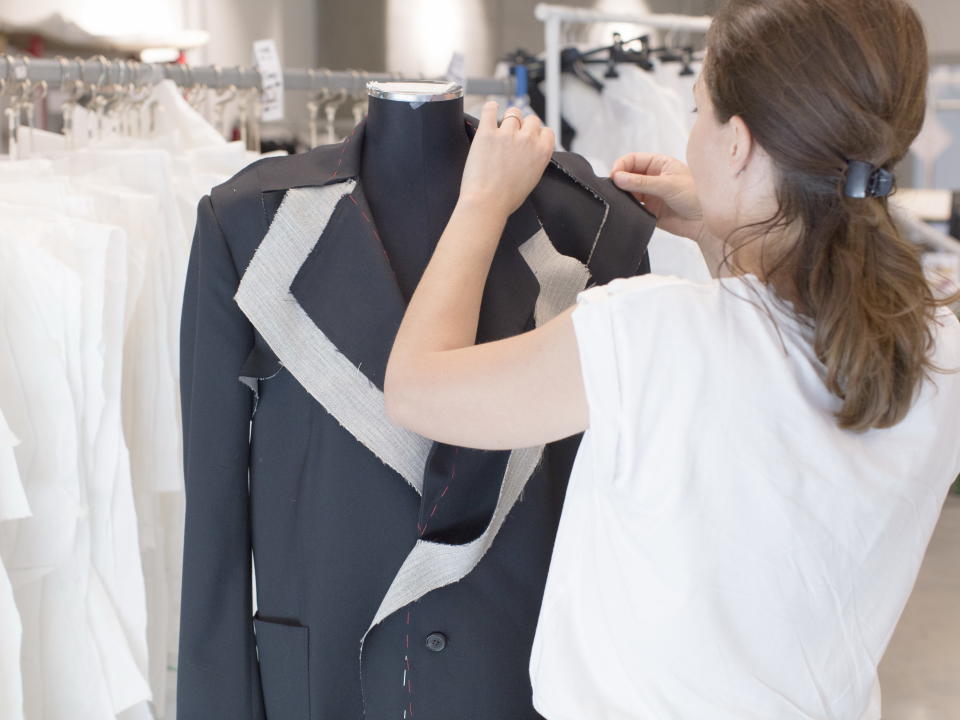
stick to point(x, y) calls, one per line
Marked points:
point(553, 17)
point(101, 71)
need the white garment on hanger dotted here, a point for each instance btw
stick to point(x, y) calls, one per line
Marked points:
point(99, 578)
point(636, 112)
point(13, 506)
point(109, 225)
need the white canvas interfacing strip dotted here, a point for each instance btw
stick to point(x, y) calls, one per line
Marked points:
point(561, 277)
point(433, 565)
point(310, 356)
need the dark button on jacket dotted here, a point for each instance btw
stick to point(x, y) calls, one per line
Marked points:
point(436, 642)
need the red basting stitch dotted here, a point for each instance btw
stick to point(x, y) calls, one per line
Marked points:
point(453, 475)
point(408, 670)
point(342, 151)
point(376, 234)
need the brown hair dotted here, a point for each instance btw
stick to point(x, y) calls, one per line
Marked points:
point(821, 82)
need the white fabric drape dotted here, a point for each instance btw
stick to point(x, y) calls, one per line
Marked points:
point(94, 239)
point(639, 111)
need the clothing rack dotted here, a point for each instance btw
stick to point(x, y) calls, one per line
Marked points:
point(100, 71)
point(554, 16)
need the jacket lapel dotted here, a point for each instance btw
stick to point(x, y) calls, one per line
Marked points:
point(302, 345)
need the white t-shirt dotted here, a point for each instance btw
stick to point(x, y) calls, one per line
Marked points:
point(726, 552)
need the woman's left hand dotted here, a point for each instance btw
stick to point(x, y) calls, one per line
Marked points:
point(505, 163)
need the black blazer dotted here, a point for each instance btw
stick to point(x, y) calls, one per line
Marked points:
point(395, 577)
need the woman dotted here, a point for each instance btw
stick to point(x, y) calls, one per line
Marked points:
point(766, 455)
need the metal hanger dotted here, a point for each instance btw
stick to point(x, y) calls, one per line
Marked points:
point(224, 98)
point(315, 103)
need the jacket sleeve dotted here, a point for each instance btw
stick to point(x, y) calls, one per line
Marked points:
point(217, 671)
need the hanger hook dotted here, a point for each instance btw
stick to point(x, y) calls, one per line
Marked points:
point(104, 66)
point(11, 62)
point(64, 65)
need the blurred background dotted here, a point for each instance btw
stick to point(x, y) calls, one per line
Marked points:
point(119, 116)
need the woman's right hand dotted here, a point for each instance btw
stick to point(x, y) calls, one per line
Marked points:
point(665, 185)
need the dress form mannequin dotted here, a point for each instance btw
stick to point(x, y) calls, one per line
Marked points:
point(412, 162)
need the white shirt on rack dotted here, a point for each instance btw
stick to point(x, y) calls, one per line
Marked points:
point(637, 112)
point(109, 224)
point(725, 551)
point(13, 506)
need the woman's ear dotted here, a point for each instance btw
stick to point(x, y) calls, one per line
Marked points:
point(741, 145)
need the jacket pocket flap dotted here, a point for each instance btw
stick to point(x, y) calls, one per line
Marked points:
point(283, 652)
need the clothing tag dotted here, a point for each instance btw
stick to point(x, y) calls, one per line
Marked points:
point(267, 60)
point(456, 71)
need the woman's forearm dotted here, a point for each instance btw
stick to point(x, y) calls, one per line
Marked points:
point(444, 310)
point(436, 381)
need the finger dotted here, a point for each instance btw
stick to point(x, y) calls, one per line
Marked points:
point(488, 115)
point(531, 125)
point(644, 163)
point(654, 185)
point(549, 139)
point(512, 121)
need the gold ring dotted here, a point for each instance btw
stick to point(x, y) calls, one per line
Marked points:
point(515, 116)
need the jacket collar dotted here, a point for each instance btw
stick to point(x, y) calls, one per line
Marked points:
point(330, 164)
point(321, 166)
point(326, 164)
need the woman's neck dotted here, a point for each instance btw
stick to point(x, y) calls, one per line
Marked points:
point(766, 256)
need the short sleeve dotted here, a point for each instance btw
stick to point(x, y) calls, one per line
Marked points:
point(593, 324)
point(640, 345)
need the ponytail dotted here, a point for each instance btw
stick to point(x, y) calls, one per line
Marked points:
point(872, 311)
point(850, 273)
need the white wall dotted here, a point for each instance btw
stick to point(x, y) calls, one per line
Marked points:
point(234, 25)
point(422, 35)
point(101, 17)
point(942, 21)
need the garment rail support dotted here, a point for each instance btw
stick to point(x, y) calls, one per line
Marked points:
point(553, 17)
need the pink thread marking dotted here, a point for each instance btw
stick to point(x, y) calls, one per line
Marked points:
point(408, 670)
point(453, 475)
point(376, 234)
point(342, 151)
